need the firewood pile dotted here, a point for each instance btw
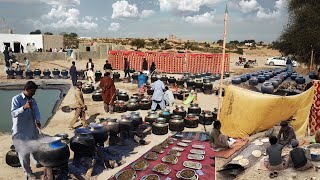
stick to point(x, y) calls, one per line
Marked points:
point(292, 86)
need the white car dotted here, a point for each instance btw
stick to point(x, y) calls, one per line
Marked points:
point(279, 61)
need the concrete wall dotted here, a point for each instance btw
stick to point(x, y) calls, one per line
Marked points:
point(53, 41)
point(38, 56)
point(23, 39)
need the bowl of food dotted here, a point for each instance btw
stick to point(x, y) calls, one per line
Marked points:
point(140, 165)
point(157, 149)
point(188, 174)
point(170, 159)
point(128, 174)
point(162, 168)
point(174, 152)
point(150, 177)
point(151, 156)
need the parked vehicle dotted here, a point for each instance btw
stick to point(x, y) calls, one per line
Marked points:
point(279, 61)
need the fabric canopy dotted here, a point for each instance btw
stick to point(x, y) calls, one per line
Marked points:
point(245, 112)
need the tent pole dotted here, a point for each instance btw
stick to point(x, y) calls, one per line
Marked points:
point(222, 64)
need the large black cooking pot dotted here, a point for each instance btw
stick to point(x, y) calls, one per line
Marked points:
point(198, 83)
point(97, 75)
point(190, 82)
point(194, 109)
point(160, 127)
point(123, 96)
point(37, 72)
point(96, 95)
point(116, 77)
point(150, 91)
point(112, 125)
point(180, 83)
point(145, 104)
point(125, 123)
point(18, 72)
point(29, 74)
point(99, 133)
point(10, 72)
point(56, 72)
point(191, 121)
point(151, 117)
point(172, 81)
point(82, 143)
point(135, 78)
point(133, 105)
point(136, 119)
point(165, 113)
point(207, 117)
point(137, 97)
point(64, 74)
point(120, 106)
point(12, 158)
point(164, 79)
point(87, 89)
point(176, 123)
point(46, 74)
point(207, 88)
point(52, 152)
point(180, 111)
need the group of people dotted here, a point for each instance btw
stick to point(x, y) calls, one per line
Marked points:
point(299, 158)
point(144, 67)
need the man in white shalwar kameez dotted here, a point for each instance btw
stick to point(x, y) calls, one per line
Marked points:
point(157, 97)
point(168, 97)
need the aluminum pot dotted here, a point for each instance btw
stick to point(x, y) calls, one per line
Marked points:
point(145, 104)
point(87, 89)
point(176, 124)
point(151, 117)
point(160, 127)
point(150, 91)
point(52, 152)
point(165, 113)
point(154, 78)
point(116, 76)
point(180, 111)
point(98, 75)
point(133, 105)
point(207, 88)
point(82, 143)
point(135, 77)
point(191, 121)
point(164, 79)
point(194, 109)
point(37, 72)
point(267, 88)
point(136, 119)
point(56, 72)
point(207, 117)
point(96, 95)
point(172, 80)
point(125, 123)
point(99, 133)
point(80, 75)
point(120, 106)
point(123, 96)
point(180, 82)
point(112, 125)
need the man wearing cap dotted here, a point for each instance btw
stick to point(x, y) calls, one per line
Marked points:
point(299, 158)
point(286, 134)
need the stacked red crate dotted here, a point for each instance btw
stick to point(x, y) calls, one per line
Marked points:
point(161, 62)
point(177, 63)
point(210, 62)
point(113, 58)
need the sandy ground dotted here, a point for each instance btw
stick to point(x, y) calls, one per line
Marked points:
point(60, 120)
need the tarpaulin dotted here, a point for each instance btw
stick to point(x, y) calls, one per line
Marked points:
point(314, 119)
point(245, 112)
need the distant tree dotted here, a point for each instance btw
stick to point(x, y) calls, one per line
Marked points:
point(36, 32)
point(161, 41)
point(139, 43)
point(48, 33)
point(166, 46)
point(301, 34)
point(234, 42)
point(220, 41)
point(206, 45)
point(74, 35)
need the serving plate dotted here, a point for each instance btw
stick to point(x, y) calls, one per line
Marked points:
point(134, 176)
point(142, 168)
point(178, 148)
point(198, 157)
point(182, 144)
point(155, 158)
point(197, 151)
point(198, 146)
point(165, 159)
point(195, 177)
point(164, 172)
point(192, 165)
point(146, 176)
point(172, 152)
point(186, 141)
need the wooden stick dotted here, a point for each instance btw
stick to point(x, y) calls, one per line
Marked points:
point(222, 64)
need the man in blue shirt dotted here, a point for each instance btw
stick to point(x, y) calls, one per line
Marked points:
point(26, 123)
point(142, 79)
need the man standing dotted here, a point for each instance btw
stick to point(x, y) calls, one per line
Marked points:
point(90, 65)
point(157, 97)
point(287, 133)
point(22, 48)
point(73, 73)
point(126, 68)
point(27, 63)
point(6, 58)
point(80, 107)
point(26, 123)
point(289, 64)
point(108, 92)
point(144, 65)
point(107, 67)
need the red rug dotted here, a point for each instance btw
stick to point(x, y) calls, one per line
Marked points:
point(314, 117)
point(207, 169)
point(229, 152)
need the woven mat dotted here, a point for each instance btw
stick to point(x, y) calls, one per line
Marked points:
point(226, 153)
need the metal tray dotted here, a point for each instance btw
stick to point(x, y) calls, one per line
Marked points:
point(178, 148)
point(198, 157)
point(192, 165)
point(141, 169)
point(197, 151)
point(198, 146)
point(174, 162)
point(165, 172)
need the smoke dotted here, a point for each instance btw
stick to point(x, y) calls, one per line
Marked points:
point(24, 147)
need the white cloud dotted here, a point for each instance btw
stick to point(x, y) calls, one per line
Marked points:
point(264, 13)
point(61, 16)
point(146, 13)
point(105, 18)
point(185, 5)
point(247, 6)
point(203, 19)
point(122, 9)
point(114, 26)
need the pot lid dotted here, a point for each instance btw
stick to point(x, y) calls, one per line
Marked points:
point(82, 131)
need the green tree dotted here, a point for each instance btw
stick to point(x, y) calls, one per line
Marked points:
point(139, 43)
point(161, 41)
point(301, 34)
point(36, 32)
point(48, 33)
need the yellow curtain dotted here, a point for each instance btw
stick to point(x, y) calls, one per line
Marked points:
point(245, 112)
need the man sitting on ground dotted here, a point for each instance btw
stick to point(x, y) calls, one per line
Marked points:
point(168, 97)
point(275, 162)
point(287, 133)
point(217, 139)
point(300, 158)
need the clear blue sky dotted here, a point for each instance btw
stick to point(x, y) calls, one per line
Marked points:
point(189, 19)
